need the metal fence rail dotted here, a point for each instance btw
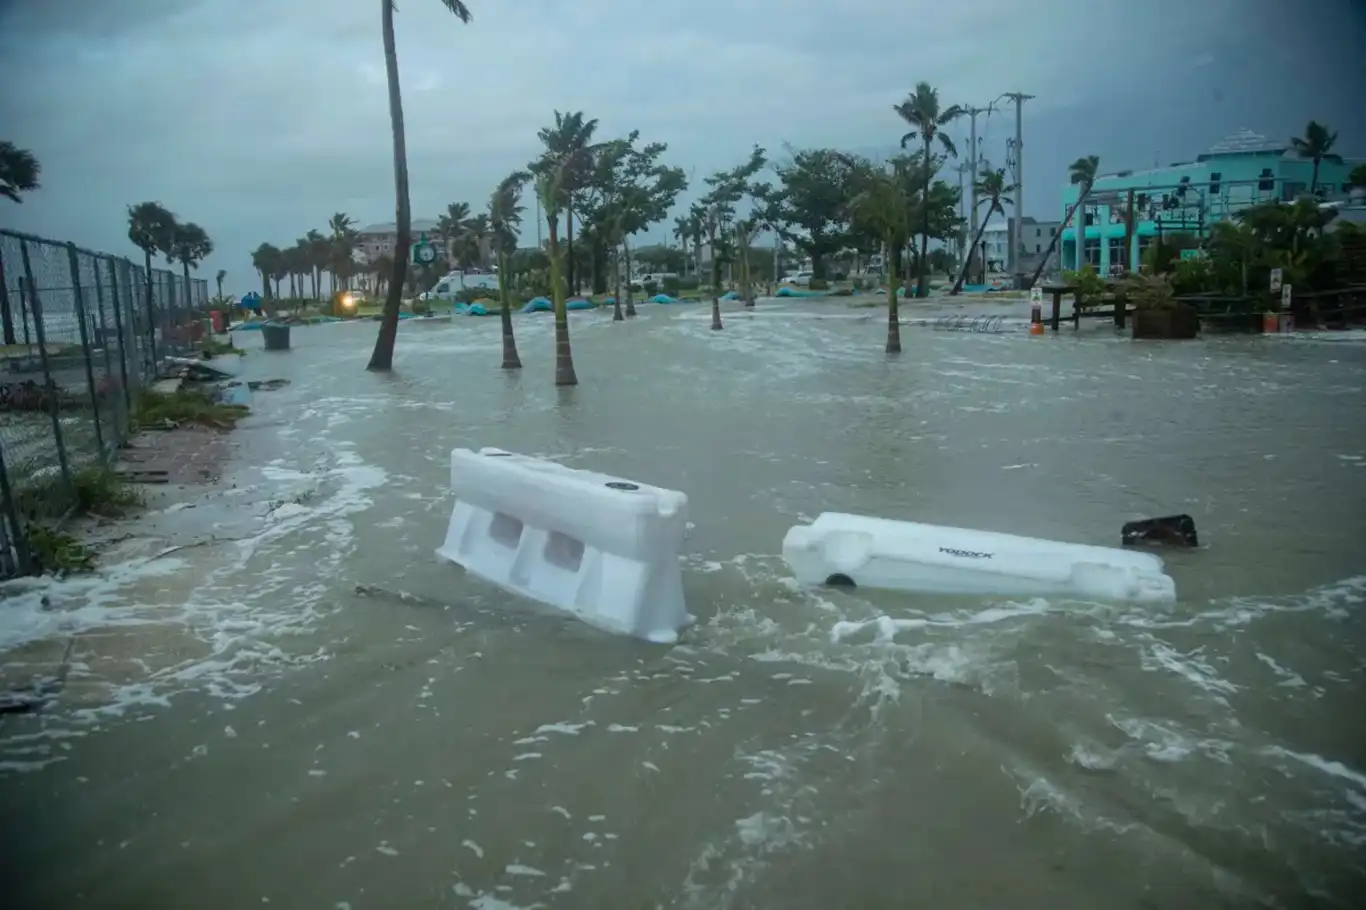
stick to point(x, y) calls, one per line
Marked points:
point(83, 332)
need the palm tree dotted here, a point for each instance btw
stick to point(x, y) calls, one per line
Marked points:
point(476, 234)
point(451, 227)
point(921, 111)
point(568, 144)
point(1316, 145)
point(991, 188)
point(883, 207)
point(1081, 173)
point(504, 218)
point(383, 356)
point(342, 247)
point(683, 233)
point(190, 246)
point(19, 171)
point(266, 259)
point(151, 228)
point(222, 273)
point(551, 194)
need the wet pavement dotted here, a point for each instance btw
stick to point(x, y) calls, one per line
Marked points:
point(275, 694)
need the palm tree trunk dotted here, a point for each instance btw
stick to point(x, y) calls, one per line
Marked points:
point(1053, 244)
point(510, 359)
point(893, 320)
point(616, 273)
point(1314, 178)
point(716, 325)
point(967, 263)
point(923, 285)
point(630, 298)
point(151, 307)
point(573, 286)
point(564, 354)
point(382, 358)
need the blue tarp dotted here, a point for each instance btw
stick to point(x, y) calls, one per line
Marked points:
point(537, 305)
point(663, 298)
point(730, 295)
point(578, 303)
point(790, 292)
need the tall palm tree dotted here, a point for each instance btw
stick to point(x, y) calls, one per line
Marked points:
point(19, 171)
point(342, 246)
point(266, 259)
point(1081, 173)
point(551, 194)
point(319, 255)
point(683, 233)
point(383, 356)
point(222, 273)
point(151, 228)
point(451, 227)
point(504, 218)
point(569, 144)
point(190, 247)
point(991, 188)
point(883, 207)
point(1317, 145)
point(921, 111)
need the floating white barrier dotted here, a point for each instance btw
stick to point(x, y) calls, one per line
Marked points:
point(877, 553)
point(602, 548)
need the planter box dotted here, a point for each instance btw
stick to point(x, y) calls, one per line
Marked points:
point(1179, 322)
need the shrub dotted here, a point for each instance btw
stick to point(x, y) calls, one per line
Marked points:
point(689, 283)
point(672, 286)
point(420, 306)
point(819, 284)
point(186, 406)
point(859, 284)
point(651, 288)
point(1089, 285)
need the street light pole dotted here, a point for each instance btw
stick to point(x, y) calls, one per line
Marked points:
point(1014, 254)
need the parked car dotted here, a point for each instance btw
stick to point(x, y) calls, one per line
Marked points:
point(801, 279)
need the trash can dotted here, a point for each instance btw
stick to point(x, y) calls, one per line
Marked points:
point(275, 336)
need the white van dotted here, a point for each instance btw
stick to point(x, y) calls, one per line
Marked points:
point(451, 285)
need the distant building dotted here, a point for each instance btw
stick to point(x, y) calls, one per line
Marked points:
point(380, 239)
point(1035, 237)
point(1187, 197)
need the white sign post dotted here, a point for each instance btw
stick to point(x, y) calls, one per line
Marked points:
point(1036, 296)
point(1285, 296)
point(1277, 275)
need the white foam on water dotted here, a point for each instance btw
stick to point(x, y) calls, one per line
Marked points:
point(234, 620)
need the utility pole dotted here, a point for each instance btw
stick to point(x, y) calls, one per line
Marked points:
point(1016, 162)
point(973, 164)
point(963, 169)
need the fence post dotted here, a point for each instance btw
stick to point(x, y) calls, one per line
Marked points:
point(49, 385)
point(23, 310)
point(11, 516)
point(74, 260)
point(118, 427)
point(151, 322)
point(123, 338)
point(5, 314)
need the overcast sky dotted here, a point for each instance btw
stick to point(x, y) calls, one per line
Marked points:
point(260, 118)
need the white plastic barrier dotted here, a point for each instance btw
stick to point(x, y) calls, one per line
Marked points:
point(838, 548)
point(602, 548)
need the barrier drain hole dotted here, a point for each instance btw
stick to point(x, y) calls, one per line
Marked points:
point(622, 485)
point(841, 581)
point(497, 454)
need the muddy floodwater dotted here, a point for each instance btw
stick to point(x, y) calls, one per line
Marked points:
point(305, 708)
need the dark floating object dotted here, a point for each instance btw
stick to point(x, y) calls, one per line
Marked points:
point(622, 485)
point(840, 580)
point(1178, 530)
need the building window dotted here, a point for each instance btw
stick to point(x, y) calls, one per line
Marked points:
point(1266, 183)
point(1116, 251)
point(1092, 250)
point(1038, 247)
point(1052, 231)
point(1214, 184)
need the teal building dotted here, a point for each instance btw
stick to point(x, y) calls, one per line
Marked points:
point(1187, 197)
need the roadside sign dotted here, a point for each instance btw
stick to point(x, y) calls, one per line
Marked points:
point(1277, 276)
point(1192, 254)
point(423, 252)
point(1036, 295)
point(1285, 295)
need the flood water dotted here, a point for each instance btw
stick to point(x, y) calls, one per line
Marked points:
point(315, 712)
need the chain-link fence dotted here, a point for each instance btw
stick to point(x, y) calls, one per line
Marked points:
point(83, 332)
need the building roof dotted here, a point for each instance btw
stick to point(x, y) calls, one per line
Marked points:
point(1245, 142)
point(390, 227)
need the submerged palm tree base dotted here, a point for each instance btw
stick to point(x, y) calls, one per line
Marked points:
point(564, 373)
